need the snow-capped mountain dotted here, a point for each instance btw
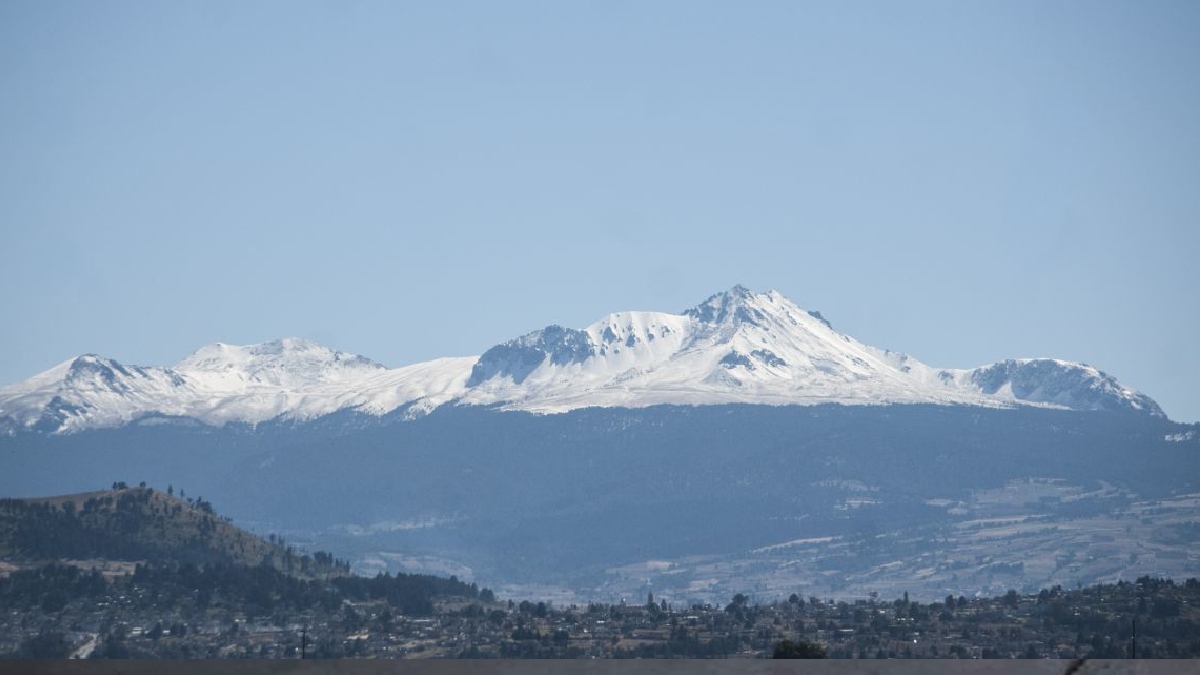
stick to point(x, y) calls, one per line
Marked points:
point(736, 347)
point(217, 384)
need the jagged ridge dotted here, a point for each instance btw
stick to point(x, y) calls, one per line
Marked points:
point(735, 347)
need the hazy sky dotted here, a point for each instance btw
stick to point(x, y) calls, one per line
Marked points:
point(962, 181)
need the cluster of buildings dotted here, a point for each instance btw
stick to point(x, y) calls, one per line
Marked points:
point(1147, 618)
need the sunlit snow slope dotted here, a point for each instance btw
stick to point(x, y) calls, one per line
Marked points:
point(735, 347)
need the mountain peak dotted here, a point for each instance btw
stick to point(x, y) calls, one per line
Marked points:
point(100, 372)
point(223, 354)
point(736, 305)
point(290, 362)
point(290, 345)
point(222, 351)
point(84, 364)
point(1071, 385)
point(737, 346)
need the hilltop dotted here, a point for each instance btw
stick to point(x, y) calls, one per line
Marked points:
point(185, 580)
point(140, 524)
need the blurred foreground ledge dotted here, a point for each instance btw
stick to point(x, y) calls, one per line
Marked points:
point(591, 667)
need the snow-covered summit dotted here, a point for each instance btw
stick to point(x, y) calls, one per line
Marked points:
point(1064, 383)
point(737, 346)
point(288, 362)
point(217, 384)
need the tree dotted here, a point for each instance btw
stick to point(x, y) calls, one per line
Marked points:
point(789, 649)
point(1011, 599)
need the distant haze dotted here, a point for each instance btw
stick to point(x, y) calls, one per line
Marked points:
point(959, 181)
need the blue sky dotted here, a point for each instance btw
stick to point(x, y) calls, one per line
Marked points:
point(961, 181)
